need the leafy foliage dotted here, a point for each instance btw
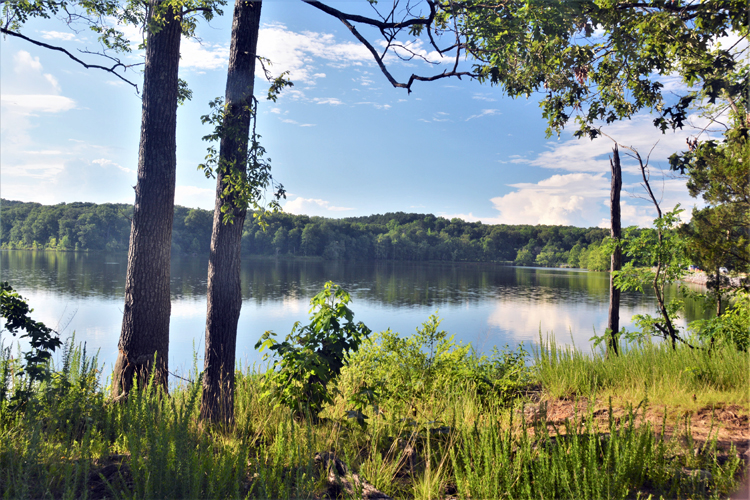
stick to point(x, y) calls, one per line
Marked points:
point(312, 356)
point(244, 185)
point(402, 371)
point(731, 328)
point(15, 312)
point(661, 253)
point(719, 173)
point(596, 59)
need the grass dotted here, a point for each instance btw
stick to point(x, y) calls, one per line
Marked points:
point(438, 438)
point(683, 379)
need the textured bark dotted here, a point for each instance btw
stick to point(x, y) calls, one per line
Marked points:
point(613, 322)
point(224, 293)
point(145, 325)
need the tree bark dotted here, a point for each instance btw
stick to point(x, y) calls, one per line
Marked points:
point(144, 338)
point(613, 322)
point(224, 292)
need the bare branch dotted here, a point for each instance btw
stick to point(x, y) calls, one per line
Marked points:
point(390, 36)
point(111, 70)
point(383, 25)
point(643, 166)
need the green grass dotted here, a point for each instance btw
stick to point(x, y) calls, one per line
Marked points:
point(444, 436)
point(683, 378)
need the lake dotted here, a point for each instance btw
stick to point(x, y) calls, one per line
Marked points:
point(482, 303)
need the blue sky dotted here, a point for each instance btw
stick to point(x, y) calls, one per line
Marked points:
point(343, 142)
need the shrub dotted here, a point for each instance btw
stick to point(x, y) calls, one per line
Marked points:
point(404, 370)
point(312, 356)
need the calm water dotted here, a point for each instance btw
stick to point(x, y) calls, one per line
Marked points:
point(485, 304)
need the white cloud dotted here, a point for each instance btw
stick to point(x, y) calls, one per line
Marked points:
point(560, 199)
point(194, 54)
point(54, 180)
point(23, 61)
point(299, 52)
point(295, 122)
point(29, 104)
point(106, 163)
point(415, 49)
point(584, 155)
point(485, 112)
point(58, 35)
point(375, 104)
point(33, 170)
point(312, 206)
point(483, 97)
point(327, 100)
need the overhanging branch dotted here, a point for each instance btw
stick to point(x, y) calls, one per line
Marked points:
point(111, 70)
point(383, 25)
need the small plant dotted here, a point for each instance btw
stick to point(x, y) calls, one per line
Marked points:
point(312, 356)
point(15, 311)
point(661, 253)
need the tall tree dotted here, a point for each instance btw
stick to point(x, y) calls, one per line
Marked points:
point(719, 172)
point(224, 293)
point(144, 339)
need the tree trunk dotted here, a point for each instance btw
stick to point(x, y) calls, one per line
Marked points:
point(224, 293)
point(613, 322)
point(145, 325)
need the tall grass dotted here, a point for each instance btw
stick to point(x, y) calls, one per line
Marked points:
point(680, 378)
point(446, 439)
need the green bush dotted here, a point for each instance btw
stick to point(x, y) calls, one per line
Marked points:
point(312, 356)
point(732, 327)
point(405, 370)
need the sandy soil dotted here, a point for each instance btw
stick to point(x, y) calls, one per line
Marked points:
point(729, 424)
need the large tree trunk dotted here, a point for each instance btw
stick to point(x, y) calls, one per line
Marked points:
point(613, 322)
point(224, 293)
point(145, 324)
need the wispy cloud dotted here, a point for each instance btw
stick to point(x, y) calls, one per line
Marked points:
point(375, 105)
point(195, 197)
point(105, 163)
point(201, 56)
point(58, 35)
point(312, 206)
point(327, 100)
point(31, 104)
point(483, 97)
point(295, 122)
point(485, 112)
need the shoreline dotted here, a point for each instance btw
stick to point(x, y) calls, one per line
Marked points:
point(701, 278)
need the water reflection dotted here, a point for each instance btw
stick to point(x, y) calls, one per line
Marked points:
point(484, 304)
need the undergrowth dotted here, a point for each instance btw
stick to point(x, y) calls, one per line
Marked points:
point(443, 422)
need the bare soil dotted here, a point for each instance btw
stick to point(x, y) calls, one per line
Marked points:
point(729, 424)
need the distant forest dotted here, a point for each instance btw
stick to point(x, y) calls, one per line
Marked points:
point(392, 236)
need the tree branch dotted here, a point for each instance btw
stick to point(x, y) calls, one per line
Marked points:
point(383, 26)
point(111, 70)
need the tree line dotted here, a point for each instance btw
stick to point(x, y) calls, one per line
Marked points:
point(390, 236)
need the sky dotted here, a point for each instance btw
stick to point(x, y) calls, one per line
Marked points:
point(342, 141)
